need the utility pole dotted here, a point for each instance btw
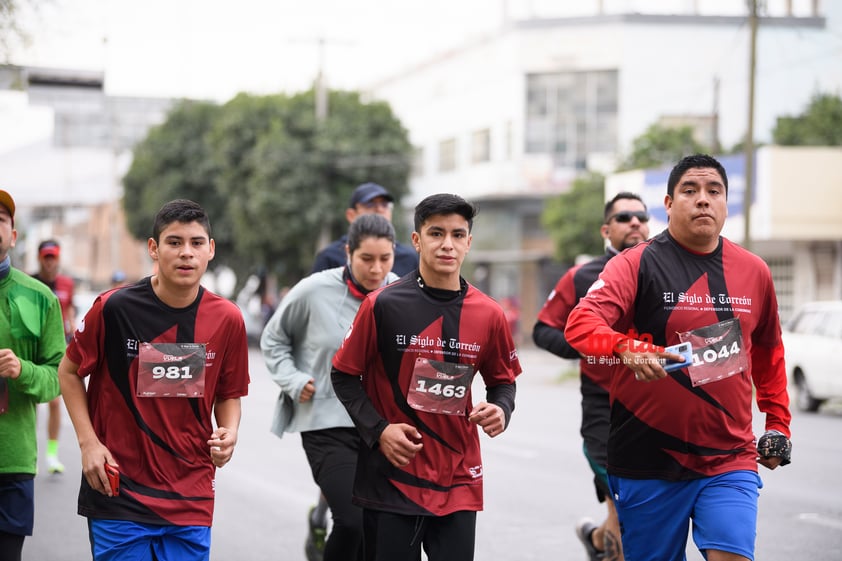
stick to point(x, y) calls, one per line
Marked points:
point(714, 124)
point(321, 94)
point(321, 86)
point(320, 83)
point(749, 141)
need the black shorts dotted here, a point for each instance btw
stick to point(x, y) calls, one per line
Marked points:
point(596, 422)
point(399, 537)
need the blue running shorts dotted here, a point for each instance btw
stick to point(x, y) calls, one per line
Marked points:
point(655, 515)
point(116, 540)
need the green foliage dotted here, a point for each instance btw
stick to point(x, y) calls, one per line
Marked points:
point(660, 145)
point(819, 125)
point(272, 177)
point(574, 218)
point(174, 162)
point(10, 29)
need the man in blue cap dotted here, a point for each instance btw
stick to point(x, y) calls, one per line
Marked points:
point(368, 198)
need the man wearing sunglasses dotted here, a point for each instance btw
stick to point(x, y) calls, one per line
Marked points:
point(626, 222)
point(368, 198)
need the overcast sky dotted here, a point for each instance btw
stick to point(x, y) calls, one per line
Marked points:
point(215, 48)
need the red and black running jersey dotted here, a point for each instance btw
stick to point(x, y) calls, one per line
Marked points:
point(570, 288)
point(396, 327)
point(62, 287)
point(670, 429)
point(160, 443)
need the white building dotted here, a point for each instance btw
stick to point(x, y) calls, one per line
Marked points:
point(69, 147)
point(510, 118)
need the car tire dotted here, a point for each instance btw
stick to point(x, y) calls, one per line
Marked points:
point(803, 398)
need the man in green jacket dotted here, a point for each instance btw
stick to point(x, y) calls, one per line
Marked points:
point(31, 347)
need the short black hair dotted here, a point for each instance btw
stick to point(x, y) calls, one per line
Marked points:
point(441, 204)
point(180, 210)
point(369, 226)
point(695, 161)
point(48, 243)
point(609, 206)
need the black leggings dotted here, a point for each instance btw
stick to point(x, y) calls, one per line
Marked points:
point(399, 537)
point(11, 546)
point(332, 454)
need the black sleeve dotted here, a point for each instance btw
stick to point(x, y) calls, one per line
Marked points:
point(503, 396)
point(349, 390)
point(321, 263)
point(552, 339)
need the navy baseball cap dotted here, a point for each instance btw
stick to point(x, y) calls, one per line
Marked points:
point(367, 192)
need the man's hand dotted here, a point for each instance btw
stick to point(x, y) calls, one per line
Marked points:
point(490, 417)
point(644, 360)
point(94, 457)
point(9, 364)
point(400, 442)
point(222, 442)
point(774, 449)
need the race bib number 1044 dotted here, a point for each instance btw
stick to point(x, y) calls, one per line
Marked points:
point(718, 351)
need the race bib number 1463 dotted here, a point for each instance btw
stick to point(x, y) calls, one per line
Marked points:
point(440, 387)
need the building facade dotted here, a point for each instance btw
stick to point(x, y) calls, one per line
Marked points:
point(510, 118)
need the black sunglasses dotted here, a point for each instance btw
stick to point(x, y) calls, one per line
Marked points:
point(626, 216)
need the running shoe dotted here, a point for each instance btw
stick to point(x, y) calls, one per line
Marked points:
point(584, 530)
point(314, 545)
point(54, 465)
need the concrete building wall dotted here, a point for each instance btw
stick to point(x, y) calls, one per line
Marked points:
point(691, 63)
point(805, 184)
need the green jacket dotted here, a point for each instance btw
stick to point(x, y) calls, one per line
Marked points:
point(30, 325)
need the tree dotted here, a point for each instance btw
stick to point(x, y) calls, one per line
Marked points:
point(272, 176)
point(661, 145)
point(819, 125)
point(289, 175)
point(13, 33)
point(573, 219)
point(8, 27)
point(175, 161)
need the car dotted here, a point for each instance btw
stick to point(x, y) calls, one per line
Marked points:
point(813, 347)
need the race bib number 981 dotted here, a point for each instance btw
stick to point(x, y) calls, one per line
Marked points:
point(171, 370)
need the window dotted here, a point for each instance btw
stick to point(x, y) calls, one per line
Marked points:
point(571, 114)
point(447, 155)
point(808, 323)
point(417, 169)
point(481, 146)
point(509, 140)
point(783, 275)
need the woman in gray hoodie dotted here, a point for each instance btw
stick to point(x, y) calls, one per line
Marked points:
point(298, 344)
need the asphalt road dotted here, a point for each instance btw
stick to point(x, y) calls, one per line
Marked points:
point(537, 485)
